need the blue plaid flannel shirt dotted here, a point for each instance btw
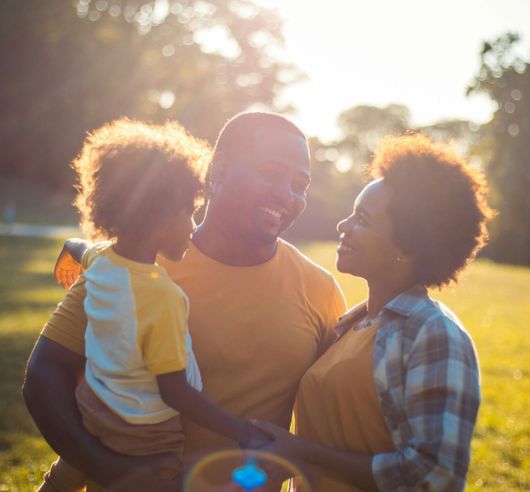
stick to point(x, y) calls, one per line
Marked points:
point(427, 380)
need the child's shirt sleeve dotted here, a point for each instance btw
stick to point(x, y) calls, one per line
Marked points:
point(93, 252)
point(163, 335)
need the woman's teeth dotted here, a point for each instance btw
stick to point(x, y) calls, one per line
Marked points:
point(344, 248)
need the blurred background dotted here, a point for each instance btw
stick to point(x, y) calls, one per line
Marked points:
point(347, 72)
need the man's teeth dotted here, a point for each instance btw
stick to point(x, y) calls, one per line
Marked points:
point(272, 212)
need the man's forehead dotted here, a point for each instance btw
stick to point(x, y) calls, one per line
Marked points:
point(280, 144)
point(280, 135)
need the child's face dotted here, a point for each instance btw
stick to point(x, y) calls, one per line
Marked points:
point(177, 234)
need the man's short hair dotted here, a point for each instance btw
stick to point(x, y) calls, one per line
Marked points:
point(238, 134)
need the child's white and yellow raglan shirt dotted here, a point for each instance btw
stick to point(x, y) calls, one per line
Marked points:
point(137, 329)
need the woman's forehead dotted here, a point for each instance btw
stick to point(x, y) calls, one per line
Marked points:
point(374, 197)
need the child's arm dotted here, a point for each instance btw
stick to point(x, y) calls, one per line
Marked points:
point(68, 265)
point(178, 394)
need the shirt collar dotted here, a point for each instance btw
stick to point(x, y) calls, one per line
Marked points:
point(408, 301)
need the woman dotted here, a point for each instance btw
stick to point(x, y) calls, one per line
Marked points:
point(393, 403)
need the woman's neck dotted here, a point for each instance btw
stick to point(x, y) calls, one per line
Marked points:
point(382, 291)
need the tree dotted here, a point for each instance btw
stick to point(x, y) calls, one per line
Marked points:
point(505, 78)
point(363, 126)
point(70, 66)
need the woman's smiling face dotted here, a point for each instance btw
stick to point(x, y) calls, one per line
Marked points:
point(367, 248)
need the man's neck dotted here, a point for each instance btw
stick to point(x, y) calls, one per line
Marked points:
point(218, 244)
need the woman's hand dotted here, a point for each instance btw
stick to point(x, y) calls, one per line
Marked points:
point(284, 443)
point(257, 438)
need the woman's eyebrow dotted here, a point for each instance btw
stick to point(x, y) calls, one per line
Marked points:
point(362, 211)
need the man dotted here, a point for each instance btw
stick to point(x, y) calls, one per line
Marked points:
point(261, 312)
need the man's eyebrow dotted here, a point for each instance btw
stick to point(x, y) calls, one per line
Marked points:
point(305, 173)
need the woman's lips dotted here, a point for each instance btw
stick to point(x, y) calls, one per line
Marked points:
point(345, 249)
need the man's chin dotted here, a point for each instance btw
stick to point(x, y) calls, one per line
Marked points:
point(266, 237)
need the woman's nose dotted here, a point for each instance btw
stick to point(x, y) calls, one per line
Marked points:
point(342, 226)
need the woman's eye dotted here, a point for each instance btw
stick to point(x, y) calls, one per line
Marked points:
point(361, 220)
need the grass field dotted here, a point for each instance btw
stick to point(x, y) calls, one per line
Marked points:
point(493, 301)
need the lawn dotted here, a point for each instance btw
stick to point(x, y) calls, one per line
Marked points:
point(493, 301)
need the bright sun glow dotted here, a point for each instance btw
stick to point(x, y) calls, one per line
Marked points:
point(420, 54)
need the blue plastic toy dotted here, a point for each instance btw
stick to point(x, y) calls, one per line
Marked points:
point(249, 476)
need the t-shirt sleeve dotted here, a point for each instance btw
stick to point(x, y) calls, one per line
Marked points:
point(67, 324)
point(163, 340)
point(93, 252)
point(336, 307)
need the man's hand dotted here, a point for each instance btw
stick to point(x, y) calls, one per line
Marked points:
point(67, 269)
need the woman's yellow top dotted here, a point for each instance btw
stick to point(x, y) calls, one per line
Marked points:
point(337, 404)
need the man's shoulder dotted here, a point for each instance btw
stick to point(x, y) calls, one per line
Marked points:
point(291, 255)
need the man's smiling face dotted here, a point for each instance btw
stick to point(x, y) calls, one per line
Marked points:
point(261, 193)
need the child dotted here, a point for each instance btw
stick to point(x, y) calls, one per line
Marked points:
point(138, 187)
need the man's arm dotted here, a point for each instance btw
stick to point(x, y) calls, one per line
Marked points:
point(52, 375)
point(49, 391)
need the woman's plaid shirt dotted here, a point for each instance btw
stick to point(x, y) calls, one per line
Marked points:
point(427, 381)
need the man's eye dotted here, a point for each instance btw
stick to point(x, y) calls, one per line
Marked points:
point(269, 174)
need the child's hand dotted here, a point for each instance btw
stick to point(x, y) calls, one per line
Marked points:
point(284, 443)
point(67, 269)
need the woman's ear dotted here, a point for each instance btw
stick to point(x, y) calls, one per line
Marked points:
point(403, 257)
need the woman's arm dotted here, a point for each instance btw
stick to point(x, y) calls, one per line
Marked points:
point(351, 468)
point(441, 400)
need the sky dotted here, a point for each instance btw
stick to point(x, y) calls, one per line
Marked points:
point(419, 53)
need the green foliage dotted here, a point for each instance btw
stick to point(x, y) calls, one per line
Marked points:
point(67, 67)
point(362, 127)
point(491, 300)
point(505, 78)
point(334, 186)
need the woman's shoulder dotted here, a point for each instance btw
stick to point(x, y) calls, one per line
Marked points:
point(436, 327)
point(420, 317)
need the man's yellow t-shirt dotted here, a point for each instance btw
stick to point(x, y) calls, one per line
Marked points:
point(255, 330)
